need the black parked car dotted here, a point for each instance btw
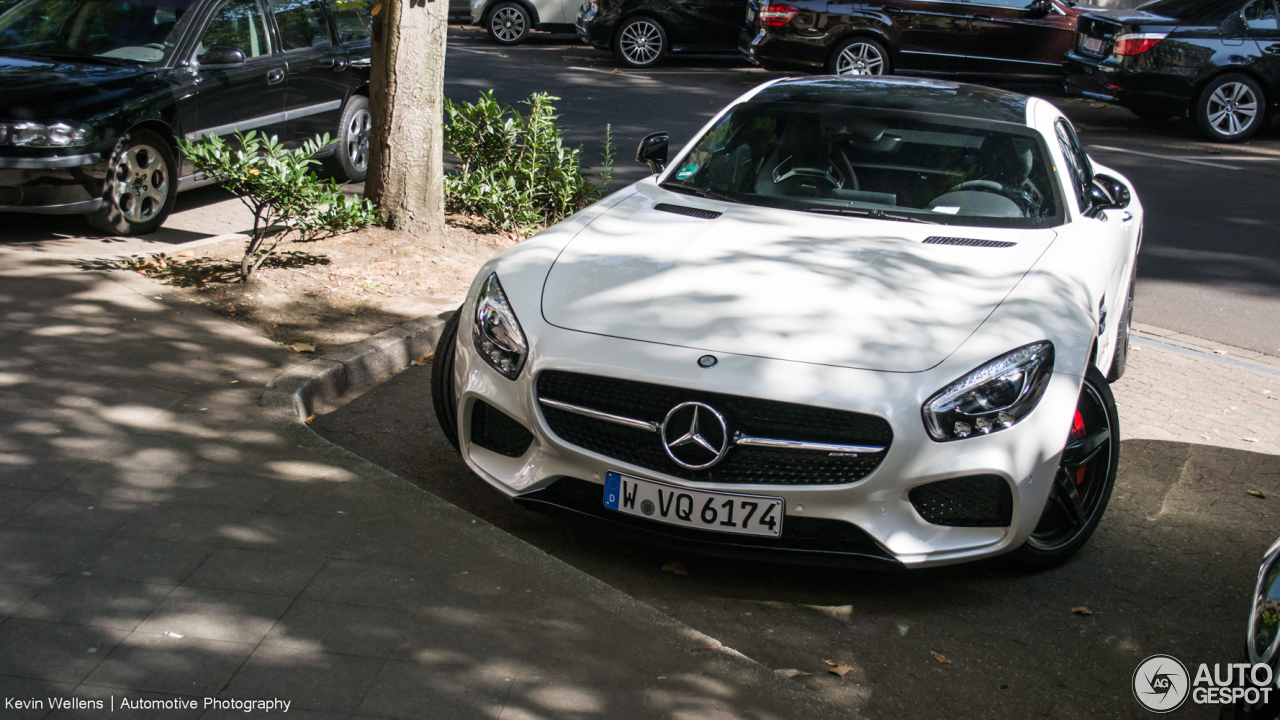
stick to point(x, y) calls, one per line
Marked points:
point(1022, 39)
point(642, 32)
point(95, 92)
point(1219, 60)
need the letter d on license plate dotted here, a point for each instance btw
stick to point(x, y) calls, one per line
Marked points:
point(713, 511)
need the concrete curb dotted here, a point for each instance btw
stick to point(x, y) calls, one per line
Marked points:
point(292, 397)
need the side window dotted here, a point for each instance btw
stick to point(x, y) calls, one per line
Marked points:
point(1020, 4)
point(353, 18)
point(1260, 15)
point(1078, 166)
point(237, 24)
point(302, 24)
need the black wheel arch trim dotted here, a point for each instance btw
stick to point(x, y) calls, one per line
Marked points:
point(1271, 96)
point(870, 33)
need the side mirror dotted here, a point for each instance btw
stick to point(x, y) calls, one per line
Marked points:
point(653, 150)
point(1040, 8)
point(220, 56)
point(1107, 193)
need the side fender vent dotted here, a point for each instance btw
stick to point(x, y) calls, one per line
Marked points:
point(967, 242)
point(690, 212)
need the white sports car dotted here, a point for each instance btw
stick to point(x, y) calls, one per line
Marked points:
point(868, 319)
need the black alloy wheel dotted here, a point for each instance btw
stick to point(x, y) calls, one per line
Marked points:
point(444, 396)
point(1083, 483)
point(859, 56)
point(350, 160)
point(509, 24)
point(140, 186)
point(1231, 108)
point(640, 42)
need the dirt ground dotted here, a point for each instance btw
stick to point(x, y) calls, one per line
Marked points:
point(332, 292)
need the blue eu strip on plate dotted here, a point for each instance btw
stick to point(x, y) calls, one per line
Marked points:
point(612, 489)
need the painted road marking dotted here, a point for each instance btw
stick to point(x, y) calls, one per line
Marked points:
point(1172, 158)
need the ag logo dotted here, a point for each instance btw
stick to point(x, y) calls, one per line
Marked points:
point(1160, 683)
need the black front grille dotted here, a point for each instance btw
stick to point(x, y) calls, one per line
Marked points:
point(687, 211)
point(750, 416)
point(976, 501)
point(493, 430)
point(968, 242)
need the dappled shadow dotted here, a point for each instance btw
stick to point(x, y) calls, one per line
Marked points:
point(1169, 571)
point(161, 538)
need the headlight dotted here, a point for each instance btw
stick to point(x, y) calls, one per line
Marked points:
point(32, 134)
point(1264, 623)
point(995, 396)
point(497, 333)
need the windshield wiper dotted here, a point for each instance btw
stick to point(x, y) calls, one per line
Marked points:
point(873, 213)
point(690, 190)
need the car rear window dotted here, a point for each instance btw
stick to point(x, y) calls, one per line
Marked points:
point(890, 164)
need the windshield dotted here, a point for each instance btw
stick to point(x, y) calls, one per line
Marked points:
point(132, 31)
point(894, 164)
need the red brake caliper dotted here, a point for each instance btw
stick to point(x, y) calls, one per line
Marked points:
point(1077, 432)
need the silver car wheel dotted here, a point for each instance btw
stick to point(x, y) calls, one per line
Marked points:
point(1232, 109)
point(507, 24)
point(860, 59)
point(140, 183)
point(641, 42)
point(359, 129)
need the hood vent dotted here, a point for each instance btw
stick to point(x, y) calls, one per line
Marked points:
point(691, 212)
point(968, 242)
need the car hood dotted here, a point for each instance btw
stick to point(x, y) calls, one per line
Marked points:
point(42, 89)
point(848, 292)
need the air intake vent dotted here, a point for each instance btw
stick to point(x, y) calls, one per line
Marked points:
point(976, 501)
point(967, 242)
point(493, 430)
point(691, 212)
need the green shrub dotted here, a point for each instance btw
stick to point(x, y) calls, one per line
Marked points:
point(278, 186)
point(514, 170)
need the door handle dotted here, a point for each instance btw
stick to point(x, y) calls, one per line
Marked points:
point(274, 75)
point(983, 17)
point(1273, 49)
point(339, 64)
point(893, 10)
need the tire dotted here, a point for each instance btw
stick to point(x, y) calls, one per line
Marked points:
point(641, 42)
point(350, 161)
point(140, 187)
point(444, 395)
point(509, 23)
point(859, 56)
point(1065, 526)
point(1231, 108)
point(1120, 358)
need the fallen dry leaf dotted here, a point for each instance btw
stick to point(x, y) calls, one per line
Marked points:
point(1082, 610)
point(941, 658)
point(789, 672)
point(675, 567)
point(311, 418)
point(830, 663)
point(185, 254)
point(424, 359)
point(303, 347)
point(840, 670)
point(1251, 439)
point(233, 382)
point(1255, 493)
point(1219, 352)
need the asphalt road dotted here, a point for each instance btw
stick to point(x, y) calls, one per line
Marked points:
point(1210, 262)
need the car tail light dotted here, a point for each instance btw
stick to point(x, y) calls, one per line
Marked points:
point(775, 15)
point(1136, 43)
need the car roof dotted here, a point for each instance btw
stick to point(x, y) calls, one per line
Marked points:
point(894, 93)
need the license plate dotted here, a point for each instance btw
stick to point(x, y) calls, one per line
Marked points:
point(1092, 45)
point(751, 15)
point(718, 512)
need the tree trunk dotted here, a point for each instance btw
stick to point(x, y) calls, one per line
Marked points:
point(406, 91)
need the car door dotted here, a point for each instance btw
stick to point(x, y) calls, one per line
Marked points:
point(705, 24)
point(317, 67)
point(932, 35)
point(1015, 37)
point(1261, 26)
point(244, 96)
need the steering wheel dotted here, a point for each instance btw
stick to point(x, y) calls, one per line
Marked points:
point(981, 186)
point(1021, 197)
point(831, 174)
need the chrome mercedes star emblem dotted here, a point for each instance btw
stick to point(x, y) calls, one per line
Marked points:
point(695, 435)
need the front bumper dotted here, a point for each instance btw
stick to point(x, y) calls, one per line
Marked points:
point(52, 185)
point(876, 508)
